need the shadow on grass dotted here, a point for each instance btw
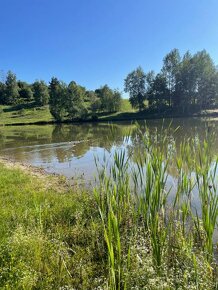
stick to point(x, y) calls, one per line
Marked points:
point(20, 107)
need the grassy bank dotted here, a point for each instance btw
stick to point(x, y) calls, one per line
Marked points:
point(48, 237)
point(125, 234)
point(10, 115)
point(29, 114)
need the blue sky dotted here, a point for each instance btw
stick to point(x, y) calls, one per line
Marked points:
point(100, 41)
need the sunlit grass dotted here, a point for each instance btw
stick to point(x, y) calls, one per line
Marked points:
point(27, 115)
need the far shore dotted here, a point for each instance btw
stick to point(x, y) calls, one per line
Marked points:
point(115, 117)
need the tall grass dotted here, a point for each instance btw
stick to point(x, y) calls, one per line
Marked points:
point(134, 197)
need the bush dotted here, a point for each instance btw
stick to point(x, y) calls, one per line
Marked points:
point(94, 117)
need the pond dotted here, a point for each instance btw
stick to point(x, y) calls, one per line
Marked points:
point(71, 149)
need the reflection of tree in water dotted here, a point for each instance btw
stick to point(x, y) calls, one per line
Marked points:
point(75, 140)
point(86, 136)
point(26, 135)
point(17, 141)
point(197, 129)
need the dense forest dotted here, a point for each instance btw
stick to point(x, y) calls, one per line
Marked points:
point(185, 83)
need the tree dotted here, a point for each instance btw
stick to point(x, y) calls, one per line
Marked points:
point(135, 85)
point(58, 97)
point(25, 91)
point(105, 95)
point(2, 93)
point(159, 92)
point(185, 83)
point(216, 87)
point(40, 93)
point(205, 80)
point(75, 101)
point(196, 82)
point(116, 101)
point(170, 69)
point(95, 105)
point(11, 89)
point(95, 102)
point(110, 99)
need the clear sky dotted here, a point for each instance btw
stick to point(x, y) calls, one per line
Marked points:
point(100, 41)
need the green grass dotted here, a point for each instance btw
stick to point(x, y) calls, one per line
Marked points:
point(28, 114)
point(25, 114)
point(15, 115)
point(124, 234)
point(126, 106)
point(48, 238)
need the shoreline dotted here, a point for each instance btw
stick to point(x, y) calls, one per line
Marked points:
point(38, 172)
point(139, 117)
point(58, 179)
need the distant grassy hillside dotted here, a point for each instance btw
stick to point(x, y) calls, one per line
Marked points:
point(28, 114)
point(126, 106)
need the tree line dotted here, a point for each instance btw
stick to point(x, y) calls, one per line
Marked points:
point(66, 101)
point(185, 83)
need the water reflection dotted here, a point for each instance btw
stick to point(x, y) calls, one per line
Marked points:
point(70, 149)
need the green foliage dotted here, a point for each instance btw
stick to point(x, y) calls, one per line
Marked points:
point(108, 100)
point(185, 84)
point(41, 93)
point(158, 93)
point(67, 102)
point(75, 106)
point(25, 92)
point(74, 102)
point(135, 85)
point(58, 97)
point(170, 70)
point(11, 89)
point(2, 93)
point(95, 105)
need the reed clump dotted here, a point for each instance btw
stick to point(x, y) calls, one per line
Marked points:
point(157, 236)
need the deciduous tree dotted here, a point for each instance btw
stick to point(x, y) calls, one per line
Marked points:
point(41, 93)
point(11, 89)
point(135, 85)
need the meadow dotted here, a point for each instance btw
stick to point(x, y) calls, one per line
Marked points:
point(32, 114)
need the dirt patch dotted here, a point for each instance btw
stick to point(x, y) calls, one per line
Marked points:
point(9, 163)
point(49, 179)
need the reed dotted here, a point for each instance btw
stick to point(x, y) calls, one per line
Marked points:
point(134, 195)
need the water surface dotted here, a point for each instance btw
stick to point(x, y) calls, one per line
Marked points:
point(71, 149)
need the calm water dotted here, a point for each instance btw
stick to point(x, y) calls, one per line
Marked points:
point(71, 149)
